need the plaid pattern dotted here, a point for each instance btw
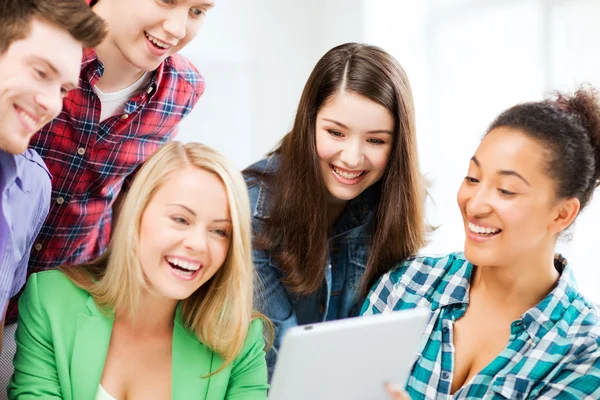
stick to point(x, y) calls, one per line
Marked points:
point(553, 351)
point(90, 160)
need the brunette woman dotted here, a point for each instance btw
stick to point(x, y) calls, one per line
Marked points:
point(340, 200)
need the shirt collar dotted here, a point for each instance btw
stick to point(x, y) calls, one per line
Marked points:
point(545, 315)
point(539, 319)
point(93, 69)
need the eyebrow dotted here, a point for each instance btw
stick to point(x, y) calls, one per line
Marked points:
point(184, 207)
point(504, 172)
point(194, 214)
point(345, 127)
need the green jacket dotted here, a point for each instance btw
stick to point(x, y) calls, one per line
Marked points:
point(62, 340)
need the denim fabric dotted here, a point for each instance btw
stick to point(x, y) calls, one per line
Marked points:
point(348, 252)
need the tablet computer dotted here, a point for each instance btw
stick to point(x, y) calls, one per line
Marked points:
point(349, 359)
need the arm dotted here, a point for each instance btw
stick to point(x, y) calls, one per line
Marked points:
point(35, 374)
point(248, 379)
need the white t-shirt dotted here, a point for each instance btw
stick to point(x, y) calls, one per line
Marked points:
point(114, 103)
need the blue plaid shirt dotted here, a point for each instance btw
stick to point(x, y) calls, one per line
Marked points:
point(553, 351)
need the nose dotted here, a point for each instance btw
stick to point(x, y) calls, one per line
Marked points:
point(352, 155)
point(49, 103)
point(196, 241)
point(478, 203)
point(175, 23)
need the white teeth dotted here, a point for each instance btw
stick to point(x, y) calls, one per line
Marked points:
point(190, 266)
point(347, 175)
point(158, 42)
point(482, 229)
point(27, 118)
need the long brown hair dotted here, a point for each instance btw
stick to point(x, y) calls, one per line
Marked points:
point(296, 232)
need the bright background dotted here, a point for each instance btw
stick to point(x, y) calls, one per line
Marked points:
point(467, 60)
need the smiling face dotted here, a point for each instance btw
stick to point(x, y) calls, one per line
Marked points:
point(33, 82)
point(354, 138)
point(145, 32)
point(185, 233)
point(508, 203)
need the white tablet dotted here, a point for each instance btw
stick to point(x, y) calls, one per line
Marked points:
point(349, 359)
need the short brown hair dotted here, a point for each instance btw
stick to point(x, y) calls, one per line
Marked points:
point(74, 16)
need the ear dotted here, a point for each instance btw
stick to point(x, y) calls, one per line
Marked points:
point(565, 213)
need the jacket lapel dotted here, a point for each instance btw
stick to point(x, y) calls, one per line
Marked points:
point(89, 351)
point(191, 361)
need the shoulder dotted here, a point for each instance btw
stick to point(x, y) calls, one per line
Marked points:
point(254, 174)
point(186, 73)
point(420, 280)
point(257, 177)
point(423, 271)
point(254, 342)
point(53, 290)
point(36, 173)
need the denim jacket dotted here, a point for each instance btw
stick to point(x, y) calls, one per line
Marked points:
point(347, 258)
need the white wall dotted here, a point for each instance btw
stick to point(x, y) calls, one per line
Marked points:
point(256, 57)
point(467, 61)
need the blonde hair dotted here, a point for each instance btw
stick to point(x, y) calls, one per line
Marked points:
point(220, 311)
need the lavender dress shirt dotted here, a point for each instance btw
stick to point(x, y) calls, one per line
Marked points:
point(24, 202)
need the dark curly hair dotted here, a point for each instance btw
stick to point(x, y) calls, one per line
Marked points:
point(568, 127)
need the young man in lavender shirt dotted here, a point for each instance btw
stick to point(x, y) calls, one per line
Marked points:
point(33, 82)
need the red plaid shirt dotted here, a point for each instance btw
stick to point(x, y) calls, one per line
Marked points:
point(90, 160)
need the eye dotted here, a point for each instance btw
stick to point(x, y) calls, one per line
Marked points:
point(166, 1)
point(179, 220)
point(376, 141)
point(335, 133)
point(40, 73)
point(506, 192)
point(197, 12)
point(221, 232)
point(471, 179)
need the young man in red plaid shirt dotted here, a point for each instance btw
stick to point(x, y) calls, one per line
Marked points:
point(133, 91)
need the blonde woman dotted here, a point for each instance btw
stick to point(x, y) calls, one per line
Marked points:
point(166, 313)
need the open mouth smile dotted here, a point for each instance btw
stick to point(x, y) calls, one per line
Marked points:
point(184, 269)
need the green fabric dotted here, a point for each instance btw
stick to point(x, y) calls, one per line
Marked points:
point(62, 340)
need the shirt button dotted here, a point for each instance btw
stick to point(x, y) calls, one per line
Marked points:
point(38, 246)
point(445, 330)
point(81, 151)
point(124, 116)
point(60, 200)
point(150, 89)
point(445, 375)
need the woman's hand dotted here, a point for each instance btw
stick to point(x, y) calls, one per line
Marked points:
point(396, 392)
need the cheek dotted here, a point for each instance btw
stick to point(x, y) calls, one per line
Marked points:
point(461, 197)
point(380, 158)
point(219, 250)
point(326, 148)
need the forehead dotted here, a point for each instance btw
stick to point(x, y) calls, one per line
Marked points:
point(507, 148)
point(47, 41)
point(356, 111)
point(196, 188)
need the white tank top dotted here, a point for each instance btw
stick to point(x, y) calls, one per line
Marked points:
point(103, 394)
